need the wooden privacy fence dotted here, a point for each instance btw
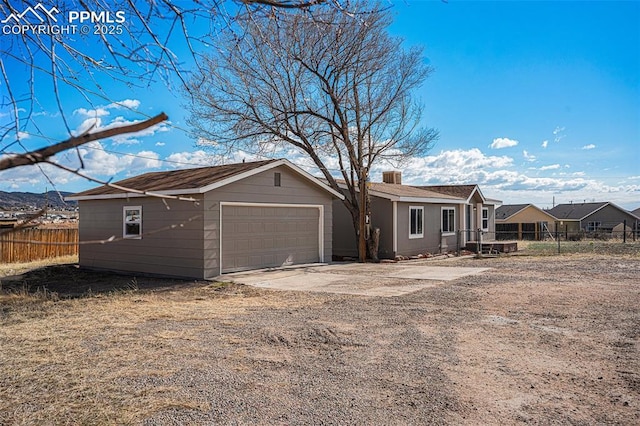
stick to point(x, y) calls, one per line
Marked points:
point(27, 245)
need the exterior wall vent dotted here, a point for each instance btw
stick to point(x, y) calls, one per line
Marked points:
point(392, 177)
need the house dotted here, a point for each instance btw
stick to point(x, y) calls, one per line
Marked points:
point(523, 222)
point(636, 212)
point(416, 220)
point(230, 218)
point(593, 218)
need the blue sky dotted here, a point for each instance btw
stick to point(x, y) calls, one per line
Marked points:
point(534, 101)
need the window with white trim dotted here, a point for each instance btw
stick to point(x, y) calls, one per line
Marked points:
point(416, 222)
point(448, 220)
point(132, 222)
point(485, 218)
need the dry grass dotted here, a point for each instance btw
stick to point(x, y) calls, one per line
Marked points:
point(613, 247)
point(100, 358)
point(93, 348)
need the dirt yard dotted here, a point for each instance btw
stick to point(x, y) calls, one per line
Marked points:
point(543, 340)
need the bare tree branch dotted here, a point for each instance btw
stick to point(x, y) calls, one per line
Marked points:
point(42, 155)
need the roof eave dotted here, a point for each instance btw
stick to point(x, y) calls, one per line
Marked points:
point(215, 185)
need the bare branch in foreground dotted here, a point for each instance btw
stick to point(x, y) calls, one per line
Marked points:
point(43, 154)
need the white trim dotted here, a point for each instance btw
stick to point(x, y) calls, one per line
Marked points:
point(421, 234)
point(442, 209)
point(320, 208)
point(218, 184)
point(124, 223)
point(394, 216)
point(482, 219)
point(476, 189)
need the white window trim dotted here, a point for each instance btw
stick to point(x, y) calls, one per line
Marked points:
point(482, 219)
point(454, 220)
point(421, 234)
point(124, 223)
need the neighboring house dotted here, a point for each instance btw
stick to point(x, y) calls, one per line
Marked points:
point(523, 222)
point(636, 212)
point(593, 218)
point(416, 220)
point(243, 216)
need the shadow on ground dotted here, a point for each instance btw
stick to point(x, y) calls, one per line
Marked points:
point(69, 281)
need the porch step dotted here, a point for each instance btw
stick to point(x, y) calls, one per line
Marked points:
point(491, 247)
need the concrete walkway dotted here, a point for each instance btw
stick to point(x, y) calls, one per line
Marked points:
point(367, 279)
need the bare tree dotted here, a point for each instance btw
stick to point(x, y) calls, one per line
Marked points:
point(72, 46)
point(334, 86)
point(68, 49)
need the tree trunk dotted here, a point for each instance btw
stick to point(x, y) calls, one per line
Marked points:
point(374, 243)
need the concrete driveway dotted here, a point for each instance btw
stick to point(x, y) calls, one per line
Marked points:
point(368, 279)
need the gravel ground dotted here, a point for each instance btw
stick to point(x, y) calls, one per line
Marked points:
point(543, 340)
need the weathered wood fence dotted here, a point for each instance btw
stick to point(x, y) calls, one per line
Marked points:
point(27, 245)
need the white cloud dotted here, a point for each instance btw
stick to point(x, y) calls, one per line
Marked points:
point(160, 144)
point(545, 143)
point(97, 112)
point(528, 157)
point(558, 134)
point(588, 147)
point(103, 110)
point(198, 158)
point(145, 160)
point(23, 135)
point(127, 103)
point(550, 167)
point(499, 143)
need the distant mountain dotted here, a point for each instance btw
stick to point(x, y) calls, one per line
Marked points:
point(31, 201)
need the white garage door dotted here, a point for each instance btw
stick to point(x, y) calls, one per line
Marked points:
point(262, 236)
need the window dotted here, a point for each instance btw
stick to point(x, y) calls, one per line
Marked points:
point(593, 226)
point(448, 220)
point(416, 222)
point(485, 218)
point(132, 222)
point(277, 178)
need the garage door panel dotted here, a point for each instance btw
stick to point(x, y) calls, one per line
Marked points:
point(256, 237)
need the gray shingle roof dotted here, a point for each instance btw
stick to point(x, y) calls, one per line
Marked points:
point(459, 191)
point(575, 211)
point(409, 191)
point(507, 210)
point(177, 179)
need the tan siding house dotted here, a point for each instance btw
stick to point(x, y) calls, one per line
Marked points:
point(523, 222)
point(229, 218)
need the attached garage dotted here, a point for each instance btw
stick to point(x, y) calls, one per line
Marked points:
point(215, 220)
point(258, 236)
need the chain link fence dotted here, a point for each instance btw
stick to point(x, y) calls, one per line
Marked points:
point(553, 238)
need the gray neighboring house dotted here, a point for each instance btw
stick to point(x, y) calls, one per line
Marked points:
point(416, 220)
point(242, 216)
point(593, 217)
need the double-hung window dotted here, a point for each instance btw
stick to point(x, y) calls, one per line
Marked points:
point(132, 222)
point(448, 220)
point(416, 222)
point(485, 218)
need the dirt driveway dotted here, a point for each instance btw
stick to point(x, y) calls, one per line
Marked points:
point(548, 340)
